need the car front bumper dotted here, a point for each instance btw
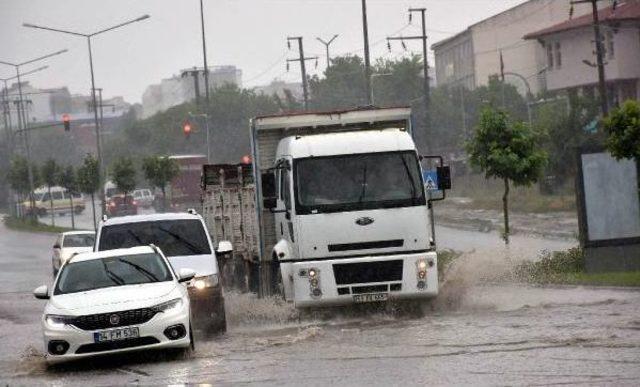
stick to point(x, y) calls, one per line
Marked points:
point(151, 336)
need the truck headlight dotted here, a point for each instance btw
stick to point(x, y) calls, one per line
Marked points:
point(201, 283)
point(57, 321)
point(169, 305)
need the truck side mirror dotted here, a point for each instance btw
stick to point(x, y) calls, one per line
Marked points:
point(444, 177)
point(270, 199)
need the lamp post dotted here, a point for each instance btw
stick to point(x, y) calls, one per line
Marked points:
point(93, 85)
point(326, 46)
point(22, 118)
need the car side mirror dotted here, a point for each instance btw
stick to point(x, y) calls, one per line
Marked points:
point(186, 275)
point(224, 247)
point(444, 177)
point(268, 186)
point(41, 292)
point(56, 246)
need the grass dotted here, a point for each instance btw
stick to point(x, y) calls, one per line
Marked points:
point(568, 268)
point(26, 224)
point(487, 194)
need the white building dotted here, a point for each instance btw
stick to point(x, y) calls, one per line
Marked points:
point(570, 57)
point(472, 56)
point(181, 88)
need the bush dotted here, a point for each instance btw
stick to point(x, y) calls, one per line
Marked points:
point(552, 266)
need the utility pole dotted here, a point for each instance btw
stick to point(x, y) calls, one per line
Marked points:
point(326, 46)
point(367, 60)
point(602, 86)
point(303, 68)
point(425, 61)
point(204, 54)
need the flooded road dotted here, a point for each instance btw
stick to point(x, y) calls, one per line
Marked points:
point(476, 333)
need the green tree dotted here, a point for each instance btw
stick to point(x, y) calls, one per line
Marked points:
point(342, 86)
point(623, 128)
point(506, 150)
point(18, 177)
point(123, 174)
point(67, 180)
point(88, 180)
point(50, 171)
point(159, 171)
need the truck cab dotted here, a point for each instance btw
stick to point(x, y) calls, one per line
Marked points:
point(352, 219)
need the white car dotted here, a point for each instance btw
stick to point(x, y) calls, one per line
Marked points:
point(116, 301)
point(69, 244)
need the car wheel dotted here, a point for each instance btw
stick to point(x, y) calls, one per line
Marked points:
point(78, 210)
point(219, 323)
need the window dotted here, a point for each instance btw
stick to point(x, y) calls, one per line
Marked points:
point(287, 189)
point(173, 237)
point(611, 53)
point(79, 240)
point(549, 56)
point(558, 55)
point(45, 197)
point(57, 195)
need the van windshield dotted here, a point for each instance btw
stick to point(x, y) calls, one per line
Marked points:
point(358, 182)
point(174, 237)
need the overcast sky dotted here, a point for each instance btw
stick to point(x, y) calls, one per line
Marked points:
point(250, 34)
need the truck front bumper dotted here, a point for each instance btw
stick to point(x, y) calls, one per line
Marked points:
point(346, 281)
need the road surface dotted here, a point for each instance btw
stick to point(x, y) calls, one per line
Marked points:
point(475, 334)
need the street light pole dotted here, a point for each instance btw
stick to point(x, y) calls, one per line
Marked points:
point(22, 115)
point(93, 87)
point(326, 46)
point(204, 54)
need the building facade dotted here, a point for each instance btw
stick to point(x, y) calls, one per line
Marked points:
point(471, 57)
point(181, 88)
point(570, 53)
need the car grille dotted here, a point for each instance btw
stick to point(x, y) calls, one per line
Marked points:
point(120, 344)
point(366, 272)
point(102, 321)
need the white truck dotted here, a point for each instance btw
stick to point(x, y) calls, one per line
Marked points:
point(342, 210)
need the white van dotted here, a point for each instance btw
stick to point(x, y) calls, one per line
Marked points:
point(61, 202)
point(185, 241)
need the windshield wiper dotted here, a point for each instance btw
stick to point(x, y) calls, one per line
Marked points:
point(189, 245)
point(112, 276)
point(141, 269)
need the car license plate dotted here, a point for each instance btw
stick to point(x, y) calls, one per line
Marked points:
point(370, 297)
point(116, 334)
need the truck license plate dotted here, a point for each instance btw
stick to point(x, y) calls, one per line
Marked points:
point(116, 334)
point(370, 297)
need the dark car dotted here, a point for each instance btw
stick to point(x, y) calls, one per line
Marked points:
point(119, 205)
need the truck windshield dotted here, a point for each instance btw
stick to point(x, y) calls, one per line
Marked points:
point(358, 182)
point(174, 237)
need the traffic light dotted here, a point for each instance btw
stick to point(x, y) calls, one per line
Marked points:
point(186, 129)
point(246, 159)
point(66, 120)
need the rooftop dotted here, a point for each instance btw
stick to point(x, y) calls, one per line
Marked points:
point(626, 10)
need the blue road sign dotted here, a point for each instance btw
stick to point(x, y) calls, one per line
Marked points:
point(430, 180)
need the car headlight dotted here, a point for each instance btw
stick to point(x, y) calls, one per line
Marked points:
point(201, 283)
point(57, 321)
point(169, 305)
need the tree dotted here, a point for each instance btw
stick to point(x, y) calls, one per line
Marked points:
point(50, 171)
point(123, 174)
point(18, 177)
point(623, 128)
point(509, 151)
point(159, 171)
point(67, 180)
point(88, 181)
point(342, 86)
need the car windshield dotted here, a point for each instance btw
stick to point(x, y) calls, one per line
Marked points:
point(359, 181)
point(111, 272)
point(110, 192)
point(174, 237)
point(79, 240)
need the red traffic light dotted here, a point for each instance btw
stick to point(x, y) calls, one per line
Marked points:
point(66, 121)
point(246, 159)
point(186, 128)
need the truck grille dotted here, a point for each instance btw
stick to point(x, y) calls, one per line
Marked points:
point(367, 272)
point(102, 321)
point(366, 245)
